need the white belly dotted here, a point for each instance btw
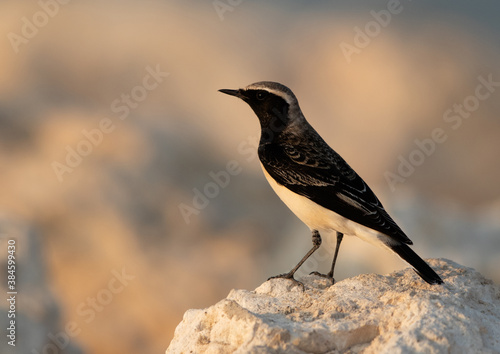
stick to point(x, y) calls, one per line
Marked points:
point(317, 217)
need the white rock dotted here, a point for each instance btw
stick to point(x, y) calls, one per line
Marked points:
point(370, 313)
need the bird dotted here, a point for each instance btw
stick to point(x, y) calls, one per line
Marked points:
point(316, 183)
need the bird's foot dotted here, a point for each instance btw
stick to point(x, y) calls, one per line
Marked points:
point(327, 276)
point(290, 277)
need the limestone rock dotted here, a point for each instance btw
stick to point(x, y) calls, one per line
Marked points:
point(370, 313)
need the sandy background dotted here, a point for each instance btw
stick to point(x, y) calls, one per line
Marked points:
point(116, 209)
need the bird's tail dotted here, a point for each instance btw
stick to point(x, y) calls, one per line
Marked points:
point(419, 265)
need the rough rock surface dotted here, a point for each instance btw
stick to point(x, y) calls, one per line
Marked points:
point(370, 313)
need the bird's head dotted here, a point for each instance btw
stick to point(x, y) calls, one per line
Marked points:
point(274, 104)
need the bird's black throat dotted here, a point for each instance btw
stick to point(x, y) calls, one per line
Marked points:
point(272, 111)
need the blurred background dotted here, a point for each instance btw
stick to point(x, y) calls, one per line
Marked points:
point(115, 148)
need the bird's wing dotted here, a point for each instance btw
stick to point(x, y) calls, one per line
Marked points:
point(318, 173)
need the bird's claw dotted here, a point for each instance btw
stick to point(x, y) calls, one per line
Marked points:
point(289, 277)
point(327, 276)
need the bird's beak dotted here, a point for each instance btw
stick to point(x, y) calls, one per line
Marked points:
point(236, 93)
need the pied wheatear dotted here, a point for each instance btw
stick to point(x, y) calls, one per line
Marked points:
point(316, 183)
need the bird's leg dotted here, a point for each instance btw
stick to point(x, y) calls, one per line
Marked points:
point(316, 240)
point(340, 236)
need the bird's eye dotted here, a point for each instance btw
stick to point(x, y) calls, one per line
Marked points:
point(261, 95)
